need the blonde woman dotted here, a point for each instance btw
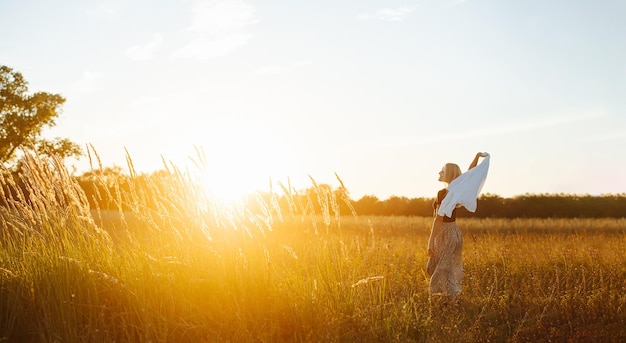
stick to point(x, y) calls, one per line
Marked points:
point(445, 265)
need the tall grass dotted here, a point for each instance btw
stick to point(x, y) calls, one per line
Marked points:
point(172, 265)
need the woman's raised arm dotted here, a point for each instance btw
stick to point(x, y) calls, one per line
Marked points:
point(475, 161)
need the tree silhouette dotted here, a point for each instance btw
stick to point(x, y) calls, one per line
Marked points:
point(23, 117)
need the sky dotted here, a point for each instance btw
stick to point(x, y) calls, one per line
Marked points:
point(382, 93)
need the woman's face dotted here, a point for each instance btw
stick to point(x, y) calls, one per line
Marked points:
point(442, 174)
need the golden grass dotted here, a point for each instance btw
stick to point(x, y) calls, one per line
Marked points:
point(177, 268)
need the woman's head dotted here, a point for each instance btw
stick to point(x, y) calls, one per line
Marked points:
point(449, 172)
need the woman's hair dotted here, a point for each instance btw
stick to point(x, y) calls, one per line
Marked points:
point(450, 172)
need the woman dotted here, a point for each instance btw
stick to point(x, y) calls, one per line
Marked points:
point(445, 265)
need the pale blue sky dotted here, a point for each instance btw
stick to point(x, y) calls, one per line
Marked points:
point(381, 92)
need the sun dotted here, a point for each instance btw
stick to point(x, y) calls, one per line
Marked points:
point(228, 187)
point(238, 158)
point(228, 177)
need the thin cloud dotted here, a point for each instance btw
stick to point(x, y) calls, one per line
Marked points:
point(541, 123)
point(217, 28)
point(606, 137)
point(455, 3)
point(273, 69)
point(498, 130)
point(107, 8)
point(146, 113)
point(90, 81)
point(388, 14)
point(146, 51)
point(206, 47)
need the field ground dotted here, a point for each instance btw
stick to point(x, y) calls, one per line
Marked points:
point(336, 279)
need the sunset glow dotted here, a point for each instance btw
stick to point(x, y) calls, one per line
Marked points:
point(381, 93)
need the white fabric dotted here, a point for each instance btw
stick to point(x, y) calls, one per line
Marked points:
point(465, 189)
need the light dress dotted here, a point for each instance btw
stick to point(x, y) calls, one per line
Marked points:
point(445, 267)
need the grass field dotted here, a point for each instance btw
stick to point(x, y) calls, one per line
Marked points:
point(188, 271)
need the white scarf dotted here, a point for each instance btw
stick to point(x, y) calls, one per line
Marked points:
point(465, 189)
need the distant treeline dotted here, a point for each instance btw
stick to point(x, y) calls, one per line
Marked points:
point(109, 189)
point(338, 199)
point(494, 206)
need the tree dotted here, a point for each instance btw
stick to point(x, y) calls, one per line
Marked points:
point(23, 117)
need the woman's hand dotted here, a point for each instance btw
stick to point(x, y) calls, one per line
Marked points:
point(475, 161)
